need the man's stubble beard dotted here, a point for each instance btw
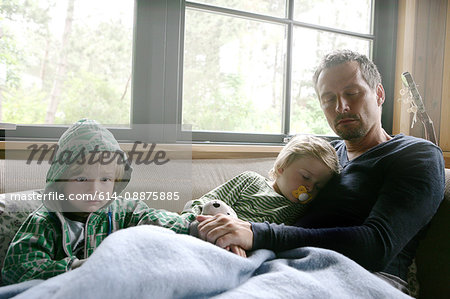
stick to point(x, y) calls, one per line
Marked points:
point(351, 133)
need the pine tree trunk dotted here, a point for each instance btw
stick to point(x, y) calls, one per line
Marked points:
point(44, 64)
point(1, 91)
point(61, 67)
point(1, 100)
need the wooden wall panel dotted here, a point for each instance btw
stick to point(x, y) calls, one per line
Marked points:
point(444, 141)
point(420, 55)
point(423, 48)
point(429, 57)
point(404, 62)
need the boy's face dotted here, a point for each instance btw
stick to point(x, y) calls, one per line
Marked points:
point(306, 171)
point(94, 183)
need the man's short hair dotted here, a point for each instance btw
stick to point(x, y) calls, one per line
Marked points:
point(368, 69)
point(309, 146)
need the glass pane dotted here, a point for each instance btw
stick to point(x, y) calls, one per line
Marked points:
point(64, 60)
point(306, 114)
point(351, 15)
point(233, 74)
point(275, 8)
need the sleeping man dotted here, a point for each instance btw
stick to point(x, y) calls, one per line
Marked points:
point(389, 189)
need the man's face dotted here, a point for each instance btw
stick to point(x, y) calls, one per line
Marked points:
point(351, 107)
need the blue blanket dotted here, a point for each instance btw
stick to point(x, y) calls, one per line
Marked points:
point(152, 262)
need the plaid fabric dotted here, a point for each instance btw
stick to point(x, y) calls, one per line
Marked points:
point(253, 199)
point(41, 248)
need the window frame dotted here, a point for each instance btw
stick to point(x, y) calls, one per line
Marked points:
point(157, 73)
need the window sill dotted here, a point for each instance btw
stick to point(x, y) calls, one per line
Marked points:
point(20, 150)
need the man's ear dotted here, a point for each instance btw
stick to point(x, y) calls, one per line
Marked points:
point(280, 170)
point(380, 94)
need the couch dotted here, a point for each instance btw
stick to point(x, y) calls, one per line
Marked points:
point(429, 276)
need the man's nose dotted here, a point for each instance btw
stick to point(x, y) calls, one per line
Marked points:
point(342, 105)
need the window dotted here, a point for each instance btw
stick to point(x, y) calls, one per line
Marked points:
point(219, 70)
point(65, 60)
point(240, 58)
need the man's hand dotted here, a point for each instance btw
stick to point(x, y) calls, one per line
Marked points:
point(225, 231)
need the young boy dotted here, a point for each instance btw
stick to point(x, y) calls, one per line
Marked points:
point(89, 167)
point(301, 169)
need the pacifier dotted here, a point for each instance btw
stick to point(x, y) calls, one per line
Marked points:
point(302, 194)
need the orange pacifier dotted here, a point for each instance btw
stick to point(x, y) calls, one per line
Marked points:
point(302, 194)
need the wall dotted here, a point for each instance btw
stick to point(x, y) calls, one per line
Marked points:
point(423, 49)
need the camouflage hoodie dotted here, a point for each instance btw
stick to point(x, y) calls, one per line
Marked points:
point(41, 248)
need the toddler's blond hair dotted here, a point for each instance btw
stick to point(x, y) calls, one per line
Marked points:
point(306, 146)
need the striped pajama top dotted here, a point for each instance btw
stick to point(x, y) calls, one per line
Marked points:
point(253, 198)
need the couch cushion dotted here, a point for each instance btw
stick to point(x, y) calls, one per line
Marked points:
point(433, 254)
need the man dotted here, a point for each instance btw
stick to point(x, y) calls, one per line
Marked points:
point(389, 189)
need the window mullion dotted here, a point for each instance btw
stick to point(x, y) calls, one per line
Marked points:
point(173, 67)
point(286, 118)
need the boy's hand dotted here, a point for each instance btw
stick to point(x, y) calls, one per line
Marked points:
point(225, 231)
point(77, 263)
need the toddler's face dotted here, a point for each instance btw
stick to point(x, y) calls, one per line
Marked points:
point(306, 171)
point(94, 183)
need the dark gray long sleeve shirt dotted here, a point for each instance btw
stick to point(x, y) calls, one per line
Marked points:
point(374, 211)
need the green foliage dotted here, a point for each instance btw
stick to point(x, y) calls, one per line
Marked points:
point(222, 63)
point(225, 109)
point(97, 99)
point(9, 58)
point(308, 117)
point(29, 110)
point(98, 66)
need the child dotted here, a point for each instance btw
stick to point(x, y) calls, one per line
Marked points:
point(301, 169)
point(89, 167)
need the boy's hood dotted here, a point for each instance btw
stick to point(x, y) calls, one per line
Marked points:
point(84, 135)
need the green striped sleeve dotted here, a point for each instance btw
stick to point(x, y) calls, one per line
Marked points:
point(141, 214)
point(253, 199)
point(229, 192)
point(260, 202)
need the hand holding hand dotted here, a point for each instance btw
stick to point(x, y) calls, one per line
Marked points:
point(225, 231)
point(237, 250)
